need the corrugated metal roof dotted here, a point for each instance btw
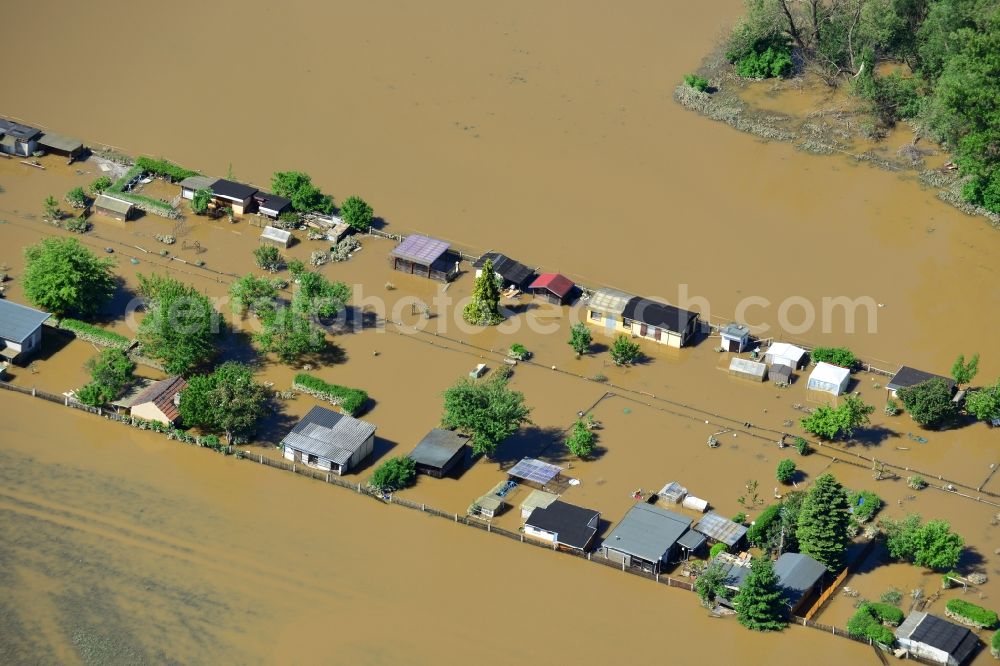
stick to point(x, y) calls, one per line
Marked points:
point(647, 532)
point(438, 447)
point(18, 322)
point(721, 529)
point(329, 435)
point(609, 301)
point(419, 249)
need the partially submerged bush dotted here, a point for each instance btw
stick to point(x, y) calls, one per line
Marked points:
point(971, 614)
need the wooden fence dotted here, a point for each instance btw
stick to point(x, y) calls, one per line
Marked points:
point(827, 594)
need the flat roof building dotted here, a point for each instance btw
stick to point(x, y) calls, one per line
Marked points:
point(439, 452)
point(646, 538)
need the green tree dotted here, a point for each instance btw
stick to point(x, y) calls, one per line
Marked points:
point(319, 297)
point(181, 327)
point(624, 351)
point(228, 401)
point(984, 403)
point(929, 403)
point(785, 471)
point(356, 212)
point(932, 544)
point(252, 293)
point(759, 603)
point(711, 584)
point(51, 210)
point(298, 187)
point(64, 277)
point(841, 421)
point(488, 411)
point(394, 474)
point(699, 83)
point(823, 523)
point(110, 372)
point(288, 332)
point(484, 308)
point(296, 267)
point(964, 371)
point(581, 440)
point(268, 258)
point(580, 338)
point(77, 198)
point(99, 185)
point(200, 201)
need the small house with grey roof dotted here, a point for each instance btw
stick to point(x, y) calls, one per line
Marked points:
point(646, 538)
point(18, 139)
point(330, 441)
point(427, 257)
point(936, 640)
point(439, 452)
point(20, 330)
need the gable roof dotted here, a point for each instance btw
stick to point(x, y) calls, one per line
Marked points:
point(573, 525)
point(18, 322)
point(828, 373)
point(113, 204)
point(558, 284)
point(721, 529)
point(232, 190)
point(658, 314)
point(162, 394)
point(609, 301)
point(797, 575)
point(931, 630)
point(907, 376)
point(420, 249)
point(505, 267)
point(783, 350)
point(438, 447)
point(647, 531)
point(329, 435)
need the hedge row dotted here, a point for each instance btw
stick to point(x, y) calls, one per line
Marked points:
point(350, 400)
point(162, 167)
point(971, 614)
point(995, 645)
point(98, 336)
point(759, 529)
point(841, 356)
point(886, 613)
point(866, 624)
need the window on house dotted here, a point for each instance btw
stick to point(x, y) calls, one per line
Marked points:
point(312, 460)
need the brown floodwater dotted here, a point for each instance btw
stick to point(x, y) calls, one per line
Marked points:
point(523, 128)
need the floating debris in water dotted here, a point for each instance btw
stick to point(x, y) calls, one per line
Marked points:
point(626, 411)
point(134, 261)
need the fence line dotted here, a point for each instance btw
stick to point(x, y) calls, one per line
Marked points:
point(826, 594)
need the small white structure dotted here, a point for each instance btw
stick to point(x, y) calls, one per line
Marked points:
point(20, 329)
point(329, 441)
point(747, 369)
point(785, 354)
point(735, 337)
point(279, 237)
point(935, 639)
point(829, 378)
point(695, 503)
point(478, 371)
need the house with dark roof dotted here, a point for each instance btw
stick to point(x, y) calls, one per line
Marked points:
point(719, 529)
point(553, 287)
point(510, 273)
point(605, 307)
point(660, 322)
point(646, 538)
point(271, 205)
point(563, 525)
point(160, 401)
point(429, 257)
point(57, 144)
point(227, 193)
point(20, 330)
point(799, 577)
point(330, 441)
point(18, 139)
point(907, 377)
point(936, 640)
point(439, 452)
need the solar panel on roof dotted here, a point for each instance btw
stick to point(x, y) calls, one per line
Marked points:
point(538, 471)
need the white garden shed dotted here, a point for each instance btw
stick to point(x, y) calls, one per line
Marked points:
point(829, 378)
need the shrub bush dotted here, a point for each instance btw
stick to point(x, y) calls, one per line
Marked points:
point(865, 624)
point(785, 471)
point(836, 355)
point(865, 504)
point(758, 531)
point(98, 336)
point(802, 446)
point(394, 474)
point(740, 518)
point(995, 645)
point(716, 549)
point(970, 613)
point(699, 83)
point(350, 400)
point(164, 168)
point(886, 613)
